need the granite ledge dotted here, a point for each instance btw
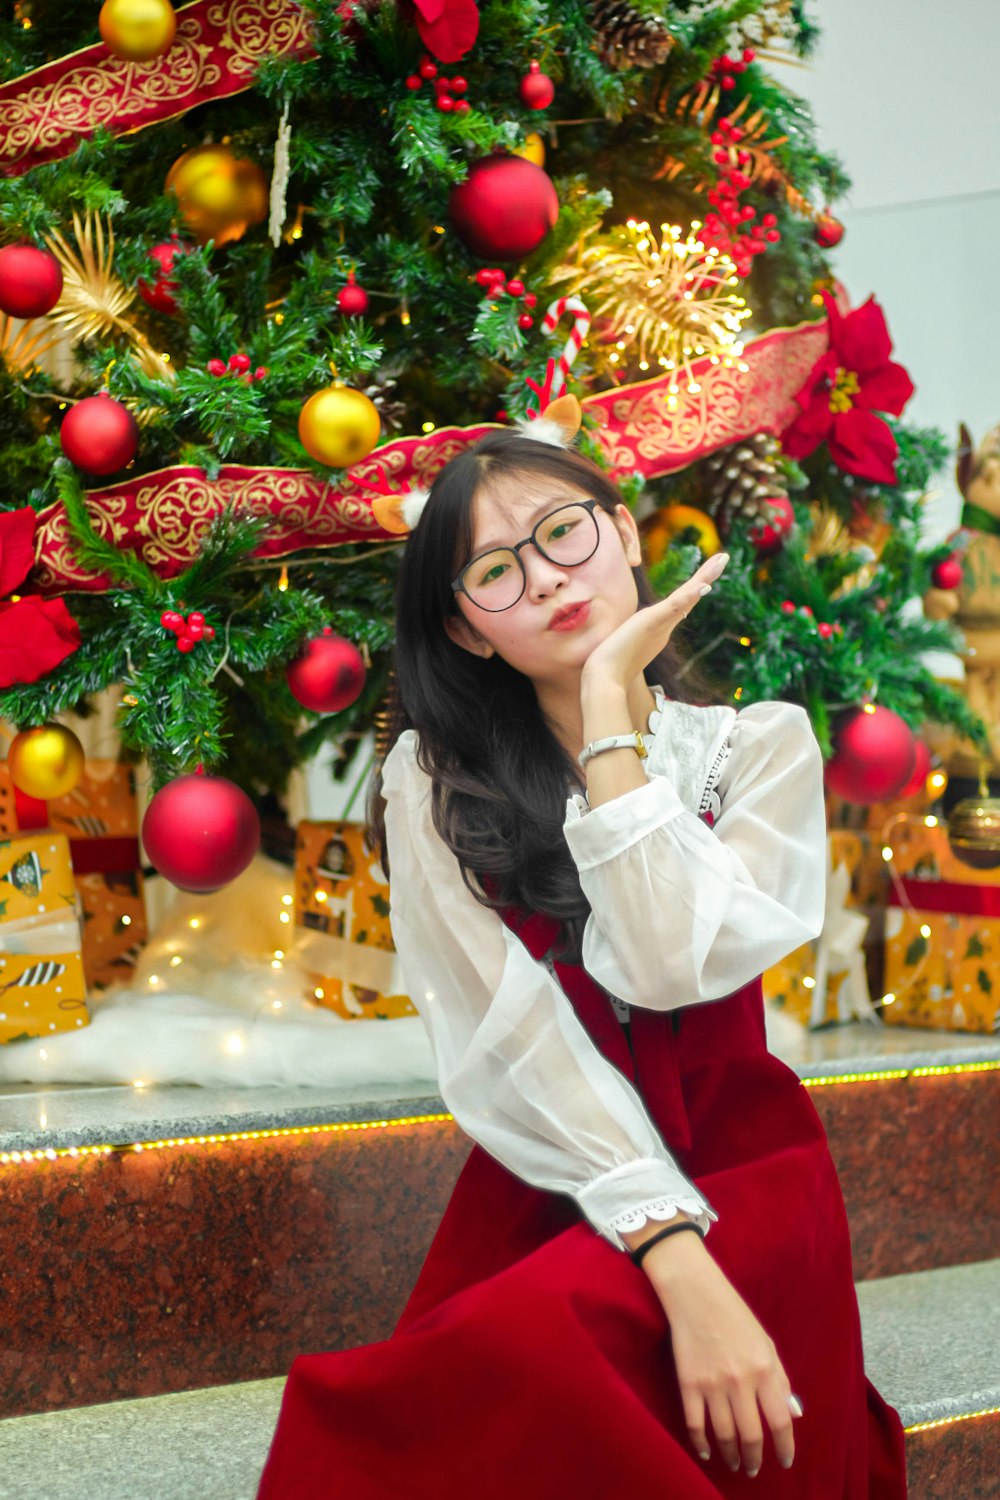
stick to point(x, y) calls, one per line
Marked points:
point(57, 1117)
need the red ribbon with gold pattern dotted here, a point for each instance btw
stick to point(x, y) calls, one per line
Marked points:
point(164, 515)
point(215, 53)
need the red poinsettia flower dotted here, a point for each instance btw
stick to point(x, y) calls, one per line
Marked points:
point(852, 381)
point(447, 28)
point(35, 634)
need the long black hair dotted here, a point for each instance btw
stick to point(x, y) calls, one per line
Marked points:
point(499, 774)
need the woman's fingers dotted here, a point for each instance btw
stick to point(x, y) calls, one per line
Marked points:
point(694, 1416)
point(724, 1426)
point(748, 1424)
point(773, 1397)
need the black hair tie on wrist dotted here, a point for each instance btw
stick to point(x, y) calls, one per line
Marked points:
point(655, 1238)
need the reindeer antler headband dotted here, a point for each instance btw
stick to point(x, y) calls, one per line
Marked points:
point(556, 422)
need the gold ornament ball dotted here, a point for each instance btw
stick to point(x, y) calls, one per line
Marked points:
point(659, 529)
point(974, 831)
point(219, 193)
point(137, 30)
point(45, 762)
point(339, 426)
point(533, 149)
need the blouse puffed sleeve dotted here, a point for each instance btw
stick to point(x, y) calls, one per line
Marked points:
point(682, 912)
point(515, 1065)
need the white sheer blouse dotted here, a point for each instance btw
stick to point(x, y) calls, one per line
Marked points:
point(681, 914)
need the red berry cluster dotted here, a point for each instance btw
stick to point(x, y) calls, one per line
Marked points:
point(445, 88)
point(239, 364)
point(188, 631)
point(495, 284)
point(823, 628)
point(724, 69)
point(723, 225)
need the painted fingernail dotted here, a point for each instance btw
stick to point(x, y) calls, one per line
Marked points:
point(734, 1468)
point(706, 588)
point(786, 1463)
point(703, 1453)
point(752, 1473)
point(795, 1406)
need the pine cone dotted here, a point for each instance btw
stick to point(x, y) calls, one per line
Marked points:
point(628, 39)
point(740, 479)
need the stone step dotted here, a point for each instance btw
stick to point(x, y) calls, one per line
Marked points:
point(161, 1240)
point(932, 1347)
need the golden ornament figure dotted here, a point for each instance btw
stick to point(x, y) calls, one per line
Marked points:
point(45, 762)
point(137, 30)
point(219, 193)
point(339, 426)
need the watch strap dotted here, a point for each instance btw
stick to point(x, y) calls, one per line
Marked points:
point(632, 741)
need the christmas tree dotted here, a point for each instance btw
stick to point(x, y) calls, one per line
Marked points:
point(269, 262)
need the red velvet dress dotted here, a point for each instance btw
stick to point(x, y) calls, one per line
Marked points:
point(533, 1359)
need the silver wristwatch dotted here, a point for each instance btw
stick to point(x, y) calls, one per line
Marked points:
point(631, 741)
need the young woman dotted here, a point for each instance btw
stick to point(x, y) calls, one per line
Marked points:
point(585, 943)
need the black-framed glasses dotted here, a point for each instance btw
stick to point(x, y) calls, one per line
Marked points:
point(567, 536)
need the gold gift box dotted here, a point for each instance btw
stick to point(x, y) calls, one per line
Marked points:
point(42, 988)
point(342, 898)
point(100, 819)
point(947, 976)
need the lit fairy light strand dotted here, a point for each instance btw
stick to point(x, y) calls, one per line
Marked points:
point(671, 302)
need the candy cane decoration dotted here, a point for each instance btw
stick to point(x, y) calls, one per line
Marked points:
point(579, 331)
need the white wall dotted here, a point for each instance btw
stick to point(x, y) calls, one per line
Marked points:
point(905, 93)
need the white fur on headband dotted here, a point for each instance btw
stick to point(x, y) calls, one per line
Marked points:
point(412, 506)
point(542, 430)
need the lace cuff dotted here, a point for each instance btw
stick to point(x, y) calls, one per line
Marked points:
point(631, 1194)
point(664, 1208)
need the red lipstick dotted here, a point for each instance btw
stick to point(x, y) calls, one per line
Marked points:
point(571, 617)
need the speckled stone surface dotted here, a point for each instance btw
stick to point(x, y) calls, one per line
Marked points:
point(32, 1119)
point(928, 1350)
point(178, 1267)
point(932, 1339)
point(163, 1270)
point(196, 1445)
point(916, 1158)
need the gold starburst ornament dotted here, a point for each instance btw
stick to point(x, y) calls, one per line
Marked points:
point(669, 302)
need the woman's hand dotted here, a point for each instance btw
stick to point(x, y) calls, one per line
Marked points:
point(727, 1366)
point(629, 649)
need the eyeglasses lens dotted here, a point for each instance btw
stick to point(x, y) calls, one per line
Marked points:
point(568, 536)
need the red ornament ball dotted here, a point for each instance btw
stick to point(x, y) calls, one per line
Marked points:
point(99, 435)
point(828, 232)
point(328, 675)
point(200, 832)
point(30, 281)
point(875, 754)
point(536, 88)
point(768, 535)
point(921, 771)
point(504, 208)
point(948, 574)
point(159, 294)
point(352, 300)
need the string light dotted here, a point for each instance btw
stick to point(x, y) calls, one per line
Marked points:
point(965, 1416)
point(50, 1153)
point(885, 1075)
point(283, 580)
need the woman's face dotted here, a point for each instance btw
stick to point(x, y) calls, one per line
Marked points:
point(502, 515)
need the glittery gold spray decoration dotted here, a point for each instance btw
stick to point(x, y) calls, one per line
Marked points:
point(669, 303)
